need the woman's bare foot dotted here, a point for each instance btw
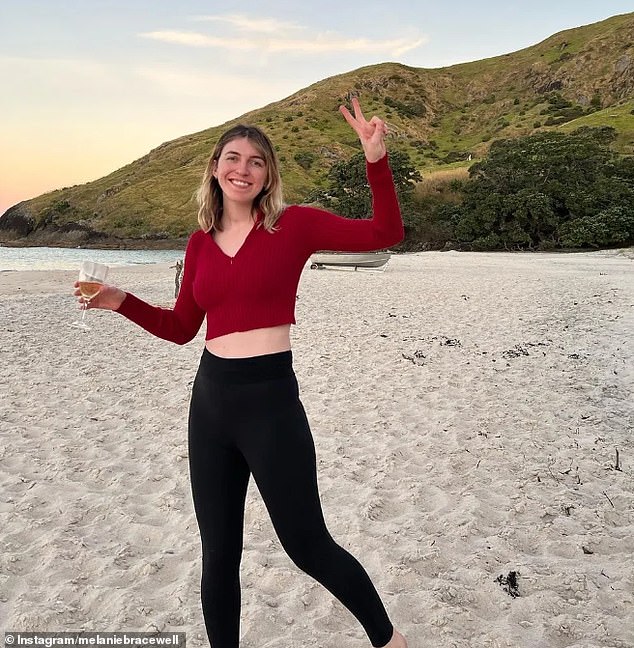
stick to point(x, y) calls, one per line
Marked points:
point(397, 641)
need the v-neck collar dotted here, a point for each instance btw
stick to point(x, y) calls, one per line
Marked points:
point(246, 238)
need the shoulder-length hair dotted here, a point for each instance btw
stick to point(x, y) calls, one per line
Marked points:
point(269, 201)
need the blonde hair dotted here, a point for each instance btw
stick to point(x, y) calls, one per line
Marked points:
point(269, 201)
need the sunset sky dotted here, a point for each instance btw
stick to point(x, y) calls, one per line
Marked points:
point(88, 86)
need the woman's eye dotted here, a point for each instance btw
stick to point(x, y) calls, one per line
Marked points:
point(258, 163)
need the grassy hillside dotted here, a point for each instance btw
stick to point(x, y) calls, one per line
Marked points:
point(440, 117)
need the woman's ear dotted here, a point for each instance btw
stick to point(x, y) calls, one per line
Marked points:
point(214, 169)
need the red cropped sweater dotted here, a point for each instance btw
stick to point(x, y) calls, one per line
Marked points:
point(256, 288)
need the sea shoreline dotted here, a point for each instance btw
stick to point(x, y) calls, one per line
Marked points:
point(133, 244)
point(101, 244)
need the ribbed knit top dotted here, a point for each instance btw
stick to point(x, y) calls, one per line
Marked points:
point(257, 287)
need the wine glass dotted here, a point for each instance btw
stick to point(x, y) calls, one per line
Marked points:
point(91, 278)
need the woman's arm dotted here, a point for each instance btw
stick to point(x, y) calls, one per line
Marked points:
point(323, 230)
point(179, 324)
point(326, 231)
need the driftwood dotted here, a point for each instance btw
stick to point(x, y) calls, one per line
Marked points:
point(177, 278)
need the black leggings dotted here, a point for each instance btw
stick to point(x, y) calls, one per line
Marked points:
point(246, 417)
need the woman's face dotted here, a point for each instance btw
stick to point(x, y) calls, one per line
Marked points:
point(241, 171)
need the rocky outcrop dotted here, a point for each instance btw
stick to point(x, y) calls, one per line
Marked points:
point(17, 221)
point(623, 78)
point(18, 227)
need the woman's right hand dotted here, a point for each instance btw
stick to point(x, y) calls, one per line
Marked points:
point(108, 298)
point(371, 133)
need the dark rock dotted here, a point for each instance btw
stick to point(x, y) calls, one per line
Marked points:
point(550, 86)
point(623, 64)
point(17, 220)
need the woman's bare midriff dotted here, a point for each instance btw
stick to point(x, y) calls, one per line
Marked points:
point(244, 344)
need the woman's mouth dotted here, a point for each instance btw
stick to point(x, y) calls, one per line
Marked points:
point(239, 183)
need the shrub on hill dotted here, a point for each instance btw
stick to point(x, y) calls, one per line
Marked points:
point(548, 190)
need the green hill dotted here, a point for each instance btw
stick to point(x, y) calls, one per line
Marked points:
point(438, 116)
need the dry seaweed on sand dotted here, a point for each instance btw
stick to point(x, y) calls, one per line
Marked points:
point(509, 583)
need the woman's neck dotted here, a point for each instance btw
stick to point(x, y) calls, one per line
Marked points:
point(237, 215)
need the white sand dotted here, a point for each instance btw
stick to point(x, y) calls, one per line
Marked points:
point(466, 408)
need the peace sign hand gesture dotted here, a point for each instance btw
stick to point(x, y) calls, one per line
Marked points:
point(371, 133)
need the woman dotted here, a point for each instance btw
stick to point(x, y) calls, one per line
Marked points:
point(242, 269)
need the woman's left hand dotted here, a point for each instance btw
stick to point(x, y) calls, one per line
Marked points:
point(371, 133)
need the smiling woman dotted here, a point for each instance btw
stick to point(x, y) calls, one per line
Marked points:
point(242, 270)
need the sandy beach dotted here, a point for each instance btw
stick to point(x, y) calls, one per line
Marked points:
point(467, 411)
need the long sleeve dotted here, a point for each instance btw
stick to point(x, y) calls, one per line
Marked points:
point(323, 230)
point(179, 324)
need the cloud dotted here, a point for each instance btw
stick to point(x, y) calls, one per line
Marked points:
point(253, 25)
point(323, 43)
point(271, 36)
point(191, 39)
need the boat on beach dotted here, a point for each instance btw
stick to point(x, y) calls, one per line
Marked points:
point(355, 260)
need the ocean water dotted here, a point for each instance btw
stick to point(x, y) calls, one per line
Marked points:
point(45, 258)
